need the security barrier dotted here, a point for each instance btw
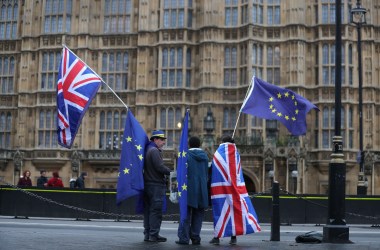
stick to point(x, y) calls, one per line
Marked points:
point(101, 204)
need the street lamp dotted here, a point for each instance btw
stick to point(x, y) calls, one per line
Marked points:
point(336, 230)
point(358, 18)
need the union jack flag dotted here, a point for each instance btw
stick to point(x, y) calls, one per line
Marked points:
point(76, 87)
point(232, 208)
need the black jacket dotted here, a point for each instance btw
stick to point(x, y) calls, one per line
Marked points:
point(41, 181)
point(154, 168)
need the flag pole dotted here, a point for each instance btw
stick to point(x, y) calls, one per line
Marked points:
point(99, 77)
point(246, 94)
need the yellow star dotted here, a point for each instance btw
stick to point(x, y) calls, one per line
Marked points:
point(129, 139)
point(279, 114)
point(141, 157)
point(295, 103)
point(297, 111)
point(293, 118)
point(293, 97)
point(179, 193)
point(138, 147)
point(184, 187)
point(273, 110)
point(126, 170)
point(287, 94)
point(271, 99)
point(286, 117)
point(179, 154)
point(279, 95)
point(118, 174)
point(271, 106)
point(183, 154)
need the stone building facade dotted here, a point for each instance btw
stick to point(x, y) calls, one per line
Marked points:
point(162, 57)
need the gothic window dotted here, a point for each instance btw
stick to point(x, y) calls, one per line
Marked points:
point(273, 12)
point(49, 70)
point(7, 71)
point(244, 12)
point(172, 67)
point(47, 129)
point(273, 65)
point(174, 13)
point(257, 60)
point(243, 65)
point(231, 13)
point(5, 129)
point(169, 121)
point(350, 128)
point(328, 11)
point(117, 16)
point(57, 16)
point(111, 127)
point(229, 120)
point(230, 66)
point(316, 132)
point(115, 67)
point(8, 19)
point(257, 127)
point(328, 64)
point(257, 12)
point(350, 66)
point(328, 124)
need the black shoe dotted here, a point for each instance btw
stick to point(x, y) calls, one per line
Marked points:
point(196, 242)
point(157, 239)
point(233, 240)
point(214, 241)
point(181, 242)
point(161, 239)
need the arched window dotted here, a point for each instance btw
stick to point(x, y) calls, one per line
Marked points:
point(169, 120)
point(111, 128)
point(115, 70)
point(47, 129)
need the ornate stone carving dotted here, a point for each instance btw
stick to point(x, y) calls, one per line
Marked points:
point(18, 160)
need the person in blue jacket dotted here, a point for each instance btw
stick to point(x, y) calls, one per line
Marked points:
point(197, 193)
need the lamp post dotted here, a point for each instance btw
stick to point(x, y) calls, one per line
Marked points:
point(336, 230)
point(358, 18)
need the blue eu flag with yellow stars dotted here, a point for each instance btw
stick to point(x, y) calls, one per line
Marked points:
point(271, 102)
point(130, 180)
point(182, 169)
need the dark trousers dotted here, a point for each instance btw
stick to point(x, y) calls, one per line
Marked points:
point(191, 227)
point(153, 202)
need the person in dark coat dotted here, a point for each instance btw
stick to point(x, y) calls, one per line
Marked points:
point(197, 193)
point(25, 180)
point(42, 180)
point(154, 187)
point(80, 180)
point(55, 181)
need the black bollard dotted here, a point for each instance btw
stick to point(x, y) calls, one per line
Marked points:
point(275, 220)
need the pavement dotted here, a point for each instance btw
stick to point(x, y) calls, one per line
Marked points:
point(61, 234)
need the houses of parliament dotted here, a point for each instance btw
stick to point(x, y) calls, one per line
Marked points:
point(161, 57)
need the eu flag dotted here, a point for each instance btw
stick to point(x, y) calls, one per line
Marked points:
point(269, 101)
point(182, 169)
point(130, 181)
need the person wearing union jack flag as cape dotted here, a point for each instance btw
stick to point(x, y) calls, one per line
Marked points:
point(232, 208)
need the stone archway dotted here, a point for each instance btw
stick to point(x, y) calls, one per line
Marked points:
point(251, 181)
